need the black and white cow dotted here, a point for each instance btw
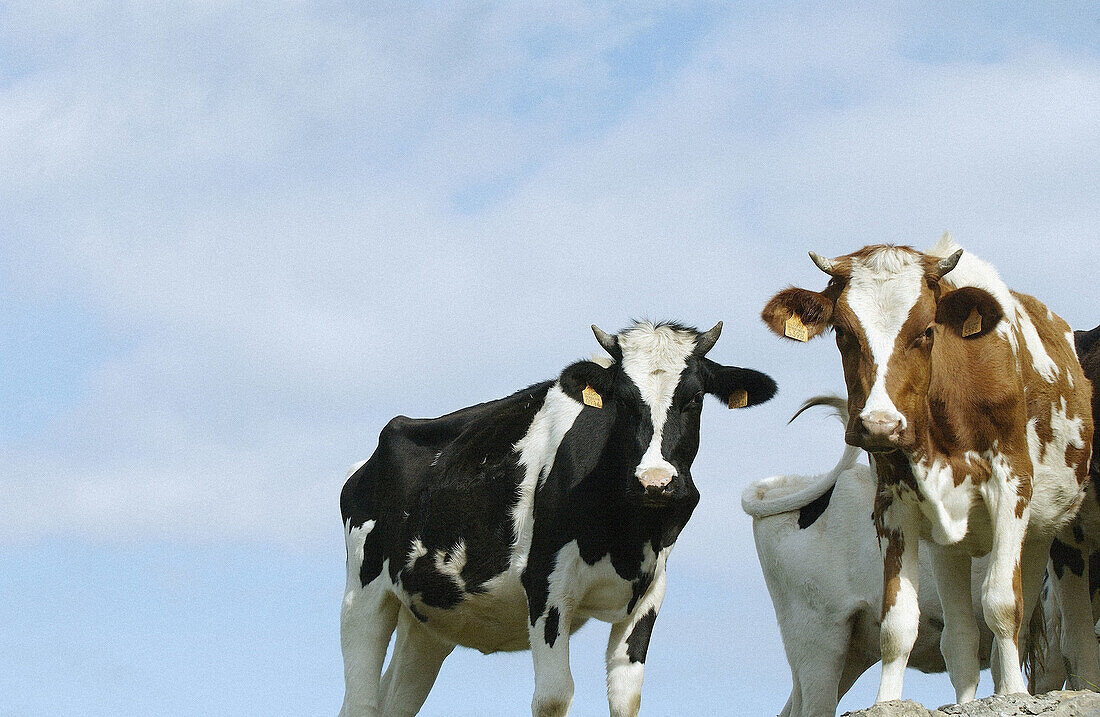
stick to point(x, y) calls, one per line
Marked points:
point(506, 525)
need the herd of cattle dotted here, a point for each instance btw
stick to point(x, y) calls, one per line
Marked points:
point(507, 525)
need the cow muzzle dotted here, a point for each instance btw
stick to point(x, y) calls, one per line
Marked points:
point(880, 430)
point(658, 485)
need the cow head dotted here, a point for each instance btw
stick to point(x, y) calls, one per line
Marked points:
point(650, 399)
point(888, 308)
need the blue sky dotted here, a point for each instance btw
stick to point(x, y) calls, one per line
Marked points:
point(236, 240)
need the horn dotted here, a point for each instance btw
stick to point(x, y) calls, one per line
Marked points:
point(706, 341)
point(945, 265)
point(610, 343)
point(826, 265)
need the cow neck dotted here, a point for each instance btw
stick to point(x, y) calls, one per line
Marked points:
point(935, 449)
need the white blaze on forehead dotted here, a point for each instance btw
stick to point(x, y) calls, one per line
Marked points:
point(881, 291)
point(653, 358)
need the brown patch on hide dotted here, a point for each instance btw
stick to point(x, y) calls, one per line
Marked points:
point(1023, 495)
point(893, 471)
point(974, 397)
point(895, 546)
point(891, 568)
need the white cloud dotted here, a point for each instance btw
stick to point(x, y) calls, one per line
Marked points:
point(261, 206)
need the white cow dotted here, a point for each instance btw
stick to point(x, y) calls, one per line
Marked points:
point(822, 563)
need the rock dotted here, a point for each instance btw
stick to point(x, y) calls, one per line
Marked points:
point(1060, 703)
point(894, 708)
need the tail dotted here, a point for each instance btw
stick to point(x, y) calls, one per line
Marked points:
point(1037, 645)
point(773, 495)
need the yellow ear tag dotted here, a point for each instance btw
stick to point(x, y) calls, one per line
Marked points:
point(795, 329)
point(973, 323)
point(739, 398)
point(591, 398)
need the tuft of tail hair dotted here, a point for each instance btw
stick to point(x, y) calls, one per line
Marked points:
point(840, 410)
point(1037, 645)
point(838, 404)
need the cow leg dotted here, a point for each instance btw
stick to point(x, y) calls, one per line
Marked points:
point(862, 649)
point(795, 700)
point(854, 666)
point(825, 653)
point(549, 637)
point(1077, 639)
point(417, 657)
point(959, 638)
point(626, 650)
point(367, 620)
point(788, 709)
point(1002, 590)
point(898, 527)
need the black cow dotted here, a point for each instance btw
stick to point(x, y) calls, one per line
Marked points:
point(506, 525)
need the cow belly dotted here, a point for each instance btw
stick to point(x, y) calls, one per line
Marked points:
point(491, 621)
point(1056, 500)
point(497, 620)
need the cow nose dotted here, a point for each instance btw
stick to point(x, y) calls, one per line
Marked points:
point(881, 424)
point(654, 480)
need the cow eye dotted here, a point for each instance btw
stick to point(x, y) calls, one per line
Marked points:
point(695, 401)
point(924, 338)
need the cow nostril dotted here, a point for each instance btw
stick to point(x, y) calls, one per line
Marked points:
point(655, 478)
point(881, 424)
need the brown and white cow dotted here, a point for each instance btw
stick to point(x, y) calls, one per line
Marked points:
point(976, 413)
point(1073, 598)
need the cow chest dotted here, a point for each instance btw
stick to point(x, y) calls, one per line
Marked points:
point(496, 618)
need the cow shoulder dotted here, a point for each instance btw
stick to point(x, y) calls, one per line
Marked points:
point(974, 391)
point(458, 530)
point(1060, 404)
point(489, 432)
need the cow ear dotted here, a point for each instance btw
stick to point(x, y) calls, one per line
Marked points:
point(591, 376)
point(736, 387)
point(970, 312)
point(798, 314)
